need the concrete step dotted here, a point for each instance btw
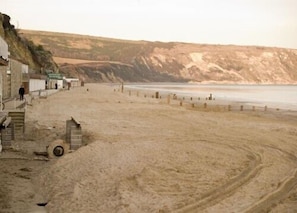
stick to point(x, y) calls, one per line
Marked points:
point(18, 119)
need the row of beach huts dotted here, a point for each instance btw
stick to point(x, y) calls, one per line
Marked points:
point(14, 74)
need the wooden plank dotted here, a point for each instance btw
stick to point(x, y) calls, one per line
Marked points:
point(6, 122)
point(2, 118)
point(76, 122)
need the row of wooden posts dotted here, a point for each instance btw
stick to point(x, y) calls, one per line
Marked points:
point(204, 105)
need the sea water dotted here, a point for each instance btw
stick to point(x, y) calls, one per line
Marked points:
point(276, 96)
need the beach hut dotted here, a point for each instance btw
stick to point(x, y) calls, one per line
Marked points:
point(37, 82)
point(6, 133)
point(11, 73)
point(54, 80)
point(72, 82)
point(17, 75)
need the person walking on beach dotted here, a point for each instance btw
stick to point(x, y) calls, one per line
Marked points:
point(22, 92)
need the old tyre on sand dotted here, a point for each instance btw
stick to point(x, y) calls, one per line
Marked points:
point(58, 151)
point(57, 148)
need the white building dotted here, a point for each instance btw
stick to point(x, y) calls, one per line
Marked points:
point(37, 82)
point(3, 50)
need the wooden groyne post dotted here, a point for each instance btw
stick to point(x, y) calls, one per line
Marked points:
point(157, 95)
point(122, 88)
point(168, 99)
point(210, 97)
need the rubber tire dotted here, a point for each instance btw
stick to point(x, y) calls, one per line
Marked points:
point(58, 151)
point(57, 144)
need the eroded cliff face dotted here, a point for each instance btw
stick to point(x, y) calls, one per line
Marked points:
point(97, 59)
point(227, 63)
point(185, 62)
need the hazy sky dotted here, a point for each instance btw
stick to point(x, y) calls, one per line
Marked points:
point(239, 22)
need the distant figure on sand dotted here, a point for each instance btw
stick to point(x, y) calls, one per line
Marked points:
point(22, 92)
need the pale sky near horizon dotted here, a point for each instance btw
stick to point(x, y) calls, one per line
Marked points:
point(240, 22)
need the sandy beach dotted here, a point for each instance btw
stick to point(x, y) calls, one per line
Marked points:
point(141, 154)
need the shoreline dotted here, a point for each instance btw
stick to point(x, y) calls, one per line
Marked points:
point(205, 102)
point(224, 93)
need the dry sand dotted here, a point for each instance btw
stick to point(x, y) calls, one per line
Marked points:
point(145, 155)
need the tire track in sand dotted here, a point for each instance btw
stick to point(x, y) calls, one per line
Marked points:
point(285, 186)
point(227, 189)
point(282, 192)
